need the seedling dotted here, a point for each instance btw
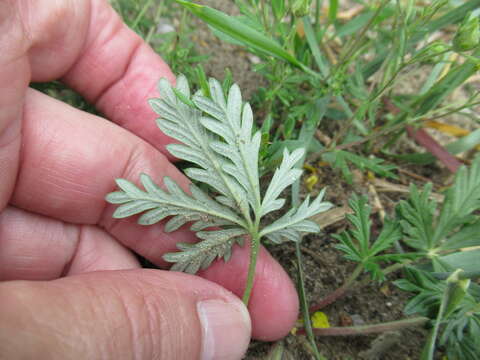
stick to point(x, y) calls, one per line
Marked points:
point(217, 137)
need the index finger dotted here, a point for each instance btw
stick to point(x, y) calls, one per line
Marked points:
point(86, 44)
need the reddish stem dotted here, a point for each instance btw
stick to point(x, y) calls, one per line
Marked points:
point(368, 329)
point(339, 292)
point(422, 138)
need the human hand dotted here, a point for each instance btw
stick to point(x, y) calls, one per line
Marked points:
point(91, 299)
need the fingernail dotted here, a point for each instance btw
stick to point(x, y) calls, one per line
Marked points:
point(225, 329)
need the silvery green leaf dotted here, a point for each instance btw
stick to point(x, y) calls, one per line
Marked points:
point(235, 122)
point(182, 85)
point(205, 177)
point(150, 186)
point(297, 218)
point(234, 106)
point(165, 89)
point(217, 128)
point(202, 224)
point(216, 92)
point(273, 205)
point(210, 107)
point(132, 208)
point(188, 153)
point(177, 132)
point(283, 177)
point(247, 121)
point(129, 188)
point(153, 216)
point(182, 122)
point(225, 201)
point(226, 150)
point(173, 202)
point(283, 235)
point(117, 197)
point(175, 223)
point(215, 134)
point(214, 244)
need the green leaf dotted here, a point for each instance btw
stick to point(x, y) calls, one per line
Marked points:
point(356, 243)
point(294, 222)
point(332, 10)
point(461, 200)
point(340, 159)
point(175, 202)
point(214, 244)
point(416, 217)
point(467, 236)
point(465, 260)
point(234, 122)
point(314, 48)
point(239, 31)
point(285, 175)
point(279, 9)
point(438, 92)
point(217, 136)
point(355, 24)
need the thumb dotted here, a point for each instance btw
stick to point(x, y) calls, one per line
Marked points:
point(134, 314)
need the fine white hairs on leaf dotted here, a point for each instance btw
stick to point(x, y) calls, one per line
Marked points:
point(216, 135)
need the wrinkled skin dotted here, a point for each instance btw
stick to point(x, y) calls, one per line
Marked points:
point(69, 279)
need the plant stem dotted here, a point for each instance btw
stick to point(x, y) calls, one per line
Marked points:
point(339, 292)
point(254, 247)
point(422, 138)
point(317, 15)
point(304, 303)
point(369, 329)
point(353, 46)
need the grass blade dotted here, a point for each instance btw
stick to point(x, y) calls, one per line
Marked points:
point(312, 42)
point(239, 31)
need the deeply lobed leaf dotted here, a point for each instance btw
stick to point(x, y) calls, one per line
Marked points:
point(216, 136)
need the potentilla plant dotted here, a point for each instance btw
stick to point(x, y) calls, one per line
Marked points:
point(216, 135)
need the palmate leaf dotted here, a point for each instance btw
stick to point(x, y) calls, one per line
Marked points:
point(417, 218)
point(357, 245)
point(456, 226)
point(461, 200)
point(454, 310)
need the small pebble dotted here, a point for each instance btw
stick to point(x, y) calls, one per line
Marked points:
point(357, 320)
point(164, 26)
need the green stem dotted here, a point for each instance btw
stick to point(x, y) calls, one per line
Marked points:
point(357, 39)
point(370, 329)
point(304, 303)
point(317, 15)
point(254, 248)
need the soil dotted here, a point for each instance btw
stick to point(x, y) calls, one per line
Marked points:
point(326, 270)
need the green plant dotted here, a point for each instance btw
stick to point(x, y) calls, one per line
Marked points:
point(341, 77)
point(353, 85)
point(436, 269)
point(217, 137)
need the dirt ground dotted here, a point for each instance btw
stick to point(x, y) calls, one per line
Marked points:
point(326, 269)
